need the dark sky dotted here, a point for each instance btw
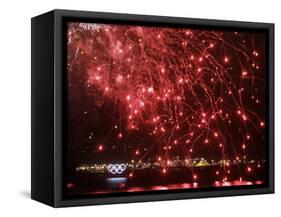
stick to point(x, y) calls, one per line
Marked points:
point(140, 93)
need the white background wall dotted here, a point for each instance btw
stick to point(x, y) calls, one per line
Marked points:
point(15, 106)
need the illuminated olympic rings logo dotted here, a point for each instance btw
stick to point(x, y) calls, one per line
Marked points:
point(116, 168)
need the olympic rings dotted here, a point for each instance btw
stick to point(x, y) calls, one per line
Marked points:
point(116, 168)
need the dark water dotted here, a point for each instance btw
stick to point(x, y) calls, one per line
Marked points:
point(174, 178)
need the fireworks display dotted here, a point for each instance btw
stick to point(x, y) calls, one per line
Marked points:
point(156, 94)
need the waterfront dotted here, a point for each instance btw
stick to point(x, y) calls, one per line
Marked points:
point(174, 178)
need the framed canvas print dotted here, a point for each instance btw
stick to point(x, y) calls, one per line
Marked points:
point(130, 108)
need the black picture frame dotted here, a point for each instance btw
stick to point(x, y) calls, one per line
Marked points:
point(48, 89)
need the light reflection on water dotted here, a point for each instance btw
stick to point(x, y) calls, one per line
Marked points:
point(192, 185)
point(118, 184)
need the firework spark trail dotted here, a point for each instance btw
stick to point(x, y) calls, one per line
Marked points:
point(180, 86)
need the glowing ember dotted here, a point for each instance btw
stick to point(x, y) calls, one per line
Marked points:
point(100, 147)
